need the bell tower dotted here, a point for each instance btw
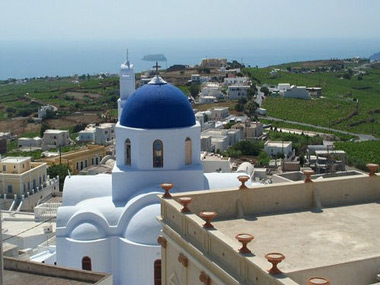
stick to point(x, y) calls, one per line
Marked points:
point(127, 84)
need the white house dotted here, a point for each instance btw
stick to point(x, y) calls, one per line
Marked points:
point(297, 92)
point(216, 163)
point(87, 135)
point(206, 144)
point(43, 110)
point(211, 89)
point(104, 133)
point(207, 99)
point(29, 142)
point(219, 113)
point(237, 92)
point(273, 148)
point(195, 78)
point(282, 87)
point(221, 139)
point(236, 81)
point(55, 139)
point(108, 222)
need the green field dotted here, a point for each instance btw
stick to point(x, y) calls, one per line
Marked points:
point(360, 153)
point(88, 94)
point(279, 124)
point(336, 109)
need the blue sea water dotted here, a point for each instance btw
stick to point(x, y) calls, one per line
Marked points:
point(21, 59)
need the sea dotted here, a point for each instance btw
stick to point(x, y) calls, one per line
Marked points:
point(25, 59)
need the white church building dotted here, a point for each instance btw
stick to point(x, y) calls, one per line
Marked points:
point(107, 222)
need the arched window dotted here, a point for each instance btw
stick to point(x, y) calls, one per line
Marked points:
point(158, 154)
point(188, 151)
point(127, 152)
point(157, 272)
point(86, 263)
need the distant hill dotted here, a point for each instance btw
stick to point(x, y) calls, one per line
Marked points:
point(375, 56)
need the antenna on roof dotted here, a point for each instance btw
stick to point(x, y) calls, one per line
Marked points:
point(127, 55)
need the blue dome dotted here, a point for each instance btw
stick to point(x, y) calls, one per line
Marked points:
point(157, 106)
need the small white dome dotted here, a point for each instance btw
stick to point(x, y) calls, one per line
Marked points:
point(143, 227)
point(87, 231)
point(246, 167)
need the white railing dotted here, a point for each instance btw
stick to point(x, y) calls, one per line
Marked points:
point(46, 211)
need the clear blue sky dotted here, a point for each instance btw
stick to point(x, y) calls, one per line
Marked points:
point(126, 19)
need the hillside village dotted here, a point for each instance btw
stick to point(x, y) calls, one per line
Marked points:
point(238, 136)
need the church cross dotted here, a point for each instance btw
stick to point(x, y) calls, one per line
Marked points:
point(156, 67)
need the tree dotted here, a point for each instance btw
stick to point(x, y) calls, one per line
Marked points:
point(346, 76)
point(79, 127)
point(265, 90)
point(251, 91)
point(239, 107)
point(246, 148)
point(44, 127)
point(194, 90)
point(61, 170)
point(50, 114)
point(235, 64)
point(264, 158)
point(250, 108)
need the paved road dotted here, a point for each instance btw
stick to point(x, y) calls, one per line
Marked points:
point(362, 137)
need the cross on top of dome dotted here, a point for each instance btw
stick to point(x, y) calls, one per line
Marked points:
point(157, 79)
point(156, 66)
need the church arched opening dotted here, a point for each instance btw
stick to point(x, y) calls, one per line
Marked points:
point(158, 154)
point(86, 263)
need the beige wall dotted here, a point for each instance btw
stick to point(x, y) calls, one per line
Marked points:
point(337, 274)
point(91, 155)
point(24, 182)
point(286, 196)
point(15, 167)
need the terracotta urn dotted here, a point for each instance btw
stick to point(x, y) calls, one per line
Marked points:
point(274, 258)
point(243, 179)
point(167, 187)
point(204, 278)
point(162, 241)
point(207, 216)
point(183, 260)
point(308, 173)
point(318, 281)
point(244, 239)
point(185, 201)
point(372, 167)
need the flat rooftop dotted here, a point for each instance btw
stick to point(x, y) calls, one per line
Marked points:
point(18, 226)
point(12, 277)
point(18, 271)
point(56, 131)
point(15, 159)
point(325, 152)
point(277, 143)
point(312, 239)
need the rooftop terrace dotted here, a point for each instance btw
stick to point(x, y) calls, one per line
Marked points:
point(326, 228)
